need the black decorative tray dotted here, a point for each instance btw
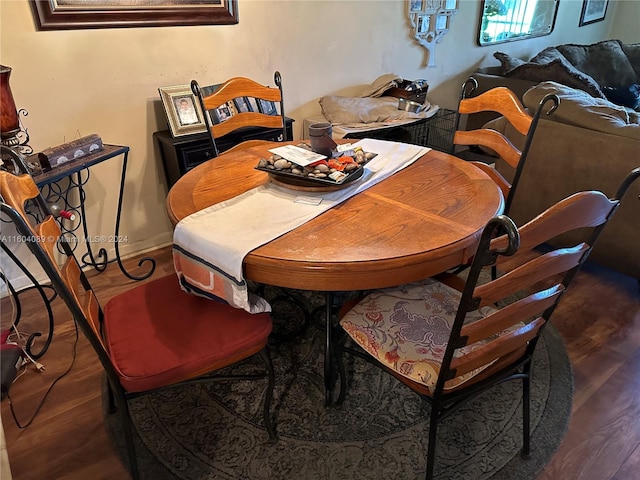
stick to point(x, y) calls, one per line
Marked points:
point(336, 172)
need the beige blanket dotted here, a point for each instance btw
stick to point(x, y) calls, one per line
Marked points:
point(340, 110)
point(381, 85)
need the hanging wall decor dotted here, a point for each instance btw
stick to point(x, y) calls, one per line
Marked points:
point(430, 20)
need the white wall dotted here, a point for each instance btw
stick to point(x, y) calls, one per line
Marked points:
point(77, 82)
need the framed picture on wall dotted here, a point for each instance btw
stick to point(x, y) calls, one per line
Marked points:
point(80, 14)
point(593, 11)
point(415, 6)
point(183, 111)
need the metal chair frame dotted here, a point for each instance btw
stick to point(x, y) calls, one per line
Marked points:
point(515, 113)
point(117, 396)
point(501, 238)
point(238, 87)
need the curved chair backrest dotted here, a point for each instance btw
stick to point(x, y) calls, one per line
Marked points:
point(450, 338)
point(542, 276)
point(240, 89)
point(503, 101)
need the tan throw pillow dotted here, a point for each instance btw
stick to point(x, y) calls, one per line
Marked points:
point(508, 62)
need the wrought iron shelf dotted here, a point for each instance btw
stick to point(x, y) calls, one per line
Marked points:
point(77, 172)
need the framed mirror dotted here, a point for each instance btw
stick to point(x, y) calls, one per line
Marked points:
point(509, 20)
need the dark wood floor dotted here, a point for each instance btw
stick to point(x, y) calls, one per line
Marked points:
point(599, 320)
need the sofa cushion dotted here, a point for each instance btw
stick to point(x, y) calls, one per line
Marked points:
point(549, 65)
point(604, 61)
point(580, 109)
point(508, 62)
point(632, 51)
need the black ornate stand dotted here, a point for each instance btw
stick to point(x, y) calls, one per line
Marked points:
point(18, 312)
point(62, 183)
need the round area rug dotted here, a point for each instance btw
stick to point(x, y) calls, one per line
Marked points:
point(215, 431)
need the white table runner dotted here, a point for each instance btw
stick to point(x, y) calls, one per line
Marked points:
point(209, 246)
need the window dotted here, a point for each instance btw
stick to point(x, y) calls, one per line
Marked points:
point(509, 20)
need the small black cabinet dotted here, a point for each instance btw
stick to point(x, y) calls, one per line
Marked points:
point(181, 154)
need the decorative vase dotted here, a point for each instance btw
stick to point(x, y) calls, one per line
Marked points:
point(9, 120)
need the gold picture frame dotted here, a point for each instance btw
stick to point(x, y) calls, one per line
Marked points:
point(184, 115)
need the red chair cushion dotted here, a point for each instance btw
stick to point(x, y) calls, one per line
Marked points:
point(157, 334)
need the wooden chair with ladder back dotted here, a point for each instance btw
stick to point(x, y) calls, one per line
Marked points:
point(449, 338)
point(255, 105)
point(503, 101)
point(151, 337)
point(237, 94)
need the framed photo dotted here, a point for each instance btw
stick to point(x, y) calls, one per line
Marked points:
point(82, 14)
point(442, 22)
point(415, 5)
point(242, 104)
point(593, 11)
point(222, 113)
point(265, 106)
point(450, 4)
point(183, 111)
point(423, 23)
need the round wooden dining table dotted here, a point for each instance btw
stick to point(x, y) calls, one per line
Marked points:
point(421, 221)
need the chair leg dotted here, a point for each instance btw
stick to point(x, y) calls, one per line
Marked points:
point(123, 408)
point(494, 272)
point(328, 350)
point(431, 448)
point(339, 353)
point(266, 358)
point(111, 402)
point(526, 398)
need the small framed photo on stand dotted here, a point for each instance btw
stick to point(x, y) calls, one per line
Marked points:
point(183, 111)
point(222, 113)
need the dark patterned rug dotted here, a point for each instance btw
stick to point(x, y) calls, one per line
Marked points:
point(215, 431)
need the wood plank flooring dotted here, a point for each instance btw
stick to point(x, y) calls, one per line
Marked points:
point(599, 320)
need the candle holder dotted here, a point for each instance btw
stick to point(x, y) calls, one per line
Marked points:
point(12, 133)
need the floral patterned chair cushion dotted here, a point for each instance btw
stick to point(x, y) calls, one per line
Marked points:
point(407, 328)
